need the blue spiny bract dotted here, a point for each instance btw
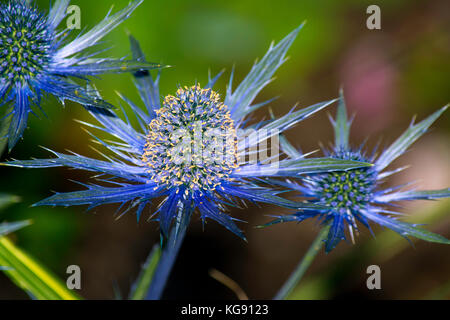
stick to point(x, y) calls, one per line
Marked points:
point(357, 195)
point(186, 151)
point(35, 58)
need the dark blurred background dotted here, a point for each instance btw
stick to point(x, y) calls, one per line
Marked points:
point(389, 76)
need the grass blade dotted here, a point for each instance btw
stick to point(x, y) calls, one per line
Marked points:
point(29, 275)
point(144, 280)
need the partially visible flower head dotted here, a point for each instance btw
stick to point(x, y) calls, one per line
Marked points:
point(26, 42)
point(192, 141)
point(35, 58)
point(187, 151)
point(356, 196)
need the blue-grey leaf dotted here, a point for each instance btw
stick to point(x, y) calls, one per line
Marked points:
point(341, 125)
point(111, 66)
point(285, 145)
point(147, 86)
point(267, 196)
point(79, 162)
point(97, 195)
point(99, 31)
point(406, 229)
point(414, 132)
point(6, 228)
point(414, 195)
point(277, 126)
point(58, 12)
point(297, 167)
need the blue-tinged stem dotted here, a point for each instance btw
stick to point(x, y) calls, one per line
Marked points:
point(4, 126)
point(168, 256)
point(304, 264)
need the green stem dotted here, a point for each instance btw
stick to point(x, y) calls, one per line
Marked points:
point(304, 264)
point(169, 253)
point(166, 262)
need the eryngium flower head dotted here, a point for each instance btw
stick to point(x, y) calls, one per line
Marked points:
point(26, 42)
point(192, 112)
point(36, 59)
point(190, 151)
point(357, 196)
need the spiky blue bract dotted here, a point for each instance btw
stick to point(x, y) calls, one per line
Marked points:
point(35, 58)
point(148, 162)
point(357, 196)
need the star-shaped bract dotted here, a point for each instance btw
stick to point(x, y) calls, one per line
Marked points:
point(357, 196)
point(35, 58)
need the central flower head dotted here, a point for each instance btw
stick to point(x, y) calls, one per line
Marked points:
point(25, 42)
point(349, 191)
point(192, 141)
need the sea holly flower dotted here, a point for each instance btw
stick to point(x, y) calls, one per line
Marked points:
point(357, 196)
point(186, 150)
point(35, 58)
